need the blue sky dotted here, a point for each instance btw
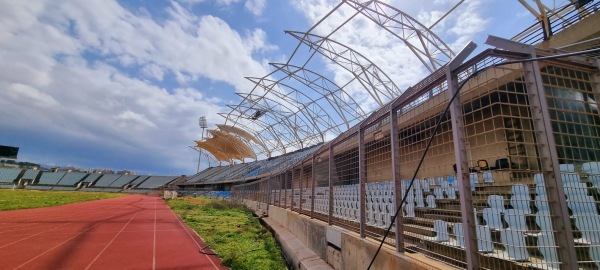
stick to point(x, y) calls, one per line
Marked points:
point(121, 84)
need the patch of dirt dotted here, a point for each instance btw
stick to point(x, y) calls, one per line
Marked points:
point(192, 201)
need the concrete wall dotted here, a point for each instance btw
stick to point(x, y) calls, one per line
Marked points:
point(342, 249)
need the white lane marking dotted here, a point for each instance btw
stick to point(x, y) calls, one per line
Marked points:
point(193, 239)
point(55, 247)
point(154, 245)
point(112, 240)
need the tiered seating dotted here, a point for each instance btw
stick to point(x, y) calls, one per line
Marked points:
point(155, 182)
point(47, 181)
point(199, 176)
point(70, 180)
point(322, 200)
point(122, 181)
point(346, 202)
point(51, 178)
point(105, 180)
point(379, 204)
point(30, 174)
point(230, 173)
point(8, 176)
point(139, 180)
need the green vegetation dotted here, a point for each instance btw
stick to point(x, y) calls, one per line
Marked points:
point(23, 199)
point(232, 232)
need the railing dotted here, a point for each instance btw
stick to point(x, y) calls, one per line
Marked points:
point(518, 175)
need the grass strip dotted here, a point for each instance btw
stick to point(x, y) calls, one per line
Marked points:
point(24, 199)
point(232, 232)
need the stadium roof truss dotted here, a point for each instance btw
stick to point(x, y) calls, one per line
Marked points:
point(294, 107)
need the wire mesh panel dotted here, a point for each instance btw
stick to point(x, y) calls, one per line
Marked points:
point(502, 155)
point(379, 188)
point(296, 188)
point(307, 185)
point(573, 109)
point(321, 182)
point(345, 183)
point(431, 207)
point(288, 188)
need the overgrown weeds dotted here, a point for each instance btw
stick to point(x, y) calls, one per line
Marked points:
point(232, 232)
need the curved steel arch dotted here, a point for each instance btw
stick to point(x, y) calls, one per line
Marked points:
point(284, 119)
point(278, 135)
point(425, 44)
point(310, 79)
point(301, 106)
point(370, 76)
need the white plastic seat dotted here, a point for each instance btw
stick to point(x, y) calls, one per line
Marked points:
point(457, 230)
point(584, 206)
point(451, 192)
point(419, 198)
point(547, 247)
point(487, 177)
point(591, 167)
point(439, 192)
point(409, 210)
point(496, 202)
point(567, 168)
point(570, 178)
point(492, 218)
point(589, 226)
point(484, 239)
point(425, 185)
point(441, 231)
point(431, 201)
point(514, 244)
point(595, 179)
point(544, 221)
point(595, 254)
point(515, 219)
point(575, 191)
point(473, 179)
point(520, 198)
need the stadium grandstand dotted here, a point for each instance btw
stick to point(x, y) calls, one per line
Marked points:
point(490, 162)
point(16, 178)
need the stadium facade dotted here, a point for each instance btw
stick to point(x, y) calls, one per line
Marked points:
point(506, 176)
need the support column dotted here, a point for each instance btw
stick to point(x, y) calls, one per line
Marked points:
point(301, 180)
point(395, 149)
point(460, 155)
point(361, 181)
point(292, 189)
point(547, 152)
point(312, 189)
point(330, 212)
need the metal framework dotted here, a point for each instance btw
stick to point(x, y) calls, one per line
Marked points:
point(294, 107)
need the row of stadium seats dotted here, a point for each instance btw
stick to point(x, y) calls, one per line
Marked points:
point(505, 223)
point(38, 180)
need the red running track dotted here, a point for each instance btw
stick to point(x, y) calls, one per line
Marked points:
point(131, 232)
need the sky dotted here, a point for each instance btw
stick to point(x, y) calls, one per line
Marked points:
point(120, 84)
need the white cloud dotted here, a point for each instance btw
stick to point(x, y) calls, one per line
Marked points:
point(53, 91)
point(256, 7)
point(153, 71)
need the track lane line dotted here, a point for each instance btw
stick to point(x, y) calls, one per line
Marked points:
point(111, 241)
point(191, 237)
point(154, 244)
point(55, 247)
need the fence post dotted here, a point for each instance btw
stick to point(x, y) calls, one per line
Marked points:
point(312, 189)
point(460, 155)
point(395, 149)
point(361, 181)
point(330, 206)
point(548, 154)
